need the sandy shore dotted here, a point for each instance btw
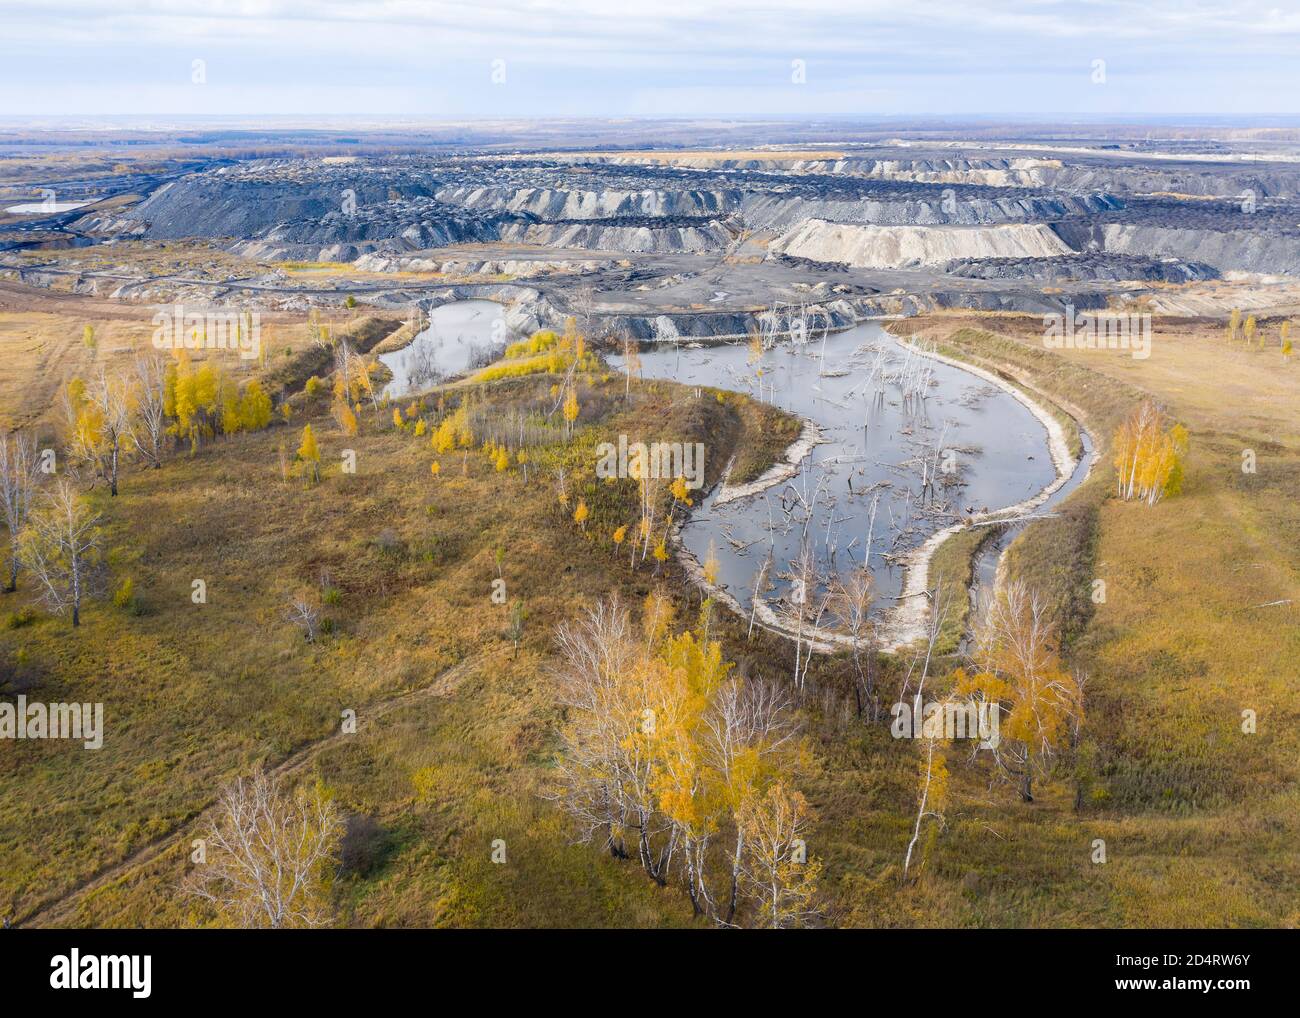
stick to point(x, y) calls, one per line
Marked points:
point(795, 453)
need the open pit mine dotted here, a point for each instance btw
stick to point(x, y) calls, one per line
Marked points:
point(700, 244)
point(584, 520)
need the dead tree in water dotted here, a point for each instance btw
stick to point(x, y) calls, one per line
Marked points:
point(760, 582)
point(929, 461)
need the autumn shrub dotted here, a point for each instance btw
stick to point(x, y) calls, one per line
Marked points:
point(24, 616)
point(389, 545)
point(125, 598)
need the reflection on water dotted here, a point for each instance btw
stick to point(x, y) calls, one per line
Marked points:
point(459, 335)
point(860, 388)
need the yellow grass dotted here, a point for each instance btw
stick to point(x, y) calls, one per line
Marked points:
point(196, 694)
point(1197, 815)
point(40, 351)
point(1199, 819)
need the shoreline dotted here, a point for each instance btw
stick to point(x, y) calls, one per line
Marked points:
point(795, 453)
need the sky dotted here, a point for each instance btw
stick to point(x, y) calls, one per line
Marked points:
point(666, 58)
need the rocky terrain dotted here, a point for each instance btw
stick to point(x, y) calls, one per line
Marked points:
point(1112, 268)
point(703, 243)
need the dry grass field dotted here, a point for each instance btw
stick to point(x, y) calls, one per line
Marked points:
point(458, 733)
point(42, 345)
point(455, 730)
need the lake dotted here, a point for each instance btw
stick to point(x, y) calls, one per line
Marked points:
point(887, 414)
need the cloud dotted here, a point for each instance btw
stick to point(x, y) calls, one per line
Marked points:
point(596, 57)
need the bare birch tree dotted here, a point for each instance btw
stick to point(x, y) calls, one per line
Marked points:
point(631, 364)
point(149, 420)
point(19, 476)
point(268, 854)
point(809, 603)
point(584, 302)
point(604, 777)
point(61, 546)
point(932, 795)
point(306, 616)
point(850, 602)
point(919, 667)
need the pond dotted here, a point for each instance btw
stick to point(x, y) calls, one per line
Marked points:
point(47, 207)
point(458, 336)
point(890, 418)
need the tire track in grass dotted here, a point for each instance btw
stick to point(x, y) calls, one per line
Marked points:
point(59, 907)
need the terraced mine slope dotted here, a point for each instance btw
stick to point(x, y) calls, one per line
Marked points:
point(702, 243)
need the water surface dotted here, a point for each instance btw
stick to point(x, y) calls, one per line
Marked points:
point(47, 207)
point(457, 333)
point(853, 387)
